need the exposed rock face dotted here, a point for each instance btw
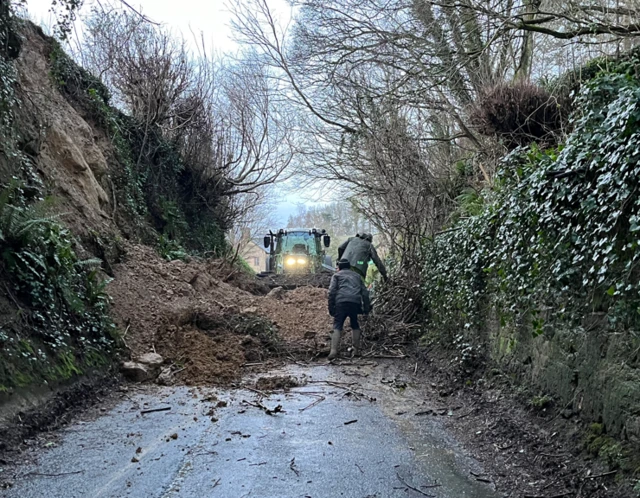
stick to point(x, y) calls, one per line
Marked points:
point(71, 154)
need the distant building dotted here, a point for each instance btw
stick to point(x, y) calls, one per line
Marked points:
point(255, 255)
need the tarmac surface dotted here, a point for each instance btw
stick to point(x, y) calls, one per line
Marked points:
point(350, 431)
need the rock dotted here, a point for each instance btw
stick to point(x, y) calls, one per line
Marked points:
point(252, 310)
point(152, 360)
point(134, 371)
point(165, 378)
point(276, 293)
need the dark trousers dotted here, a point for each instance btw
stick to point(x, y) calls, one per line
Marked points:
point(344, 310)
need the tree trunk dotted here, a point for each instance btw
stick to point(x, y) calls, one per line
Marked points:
point(523, 71)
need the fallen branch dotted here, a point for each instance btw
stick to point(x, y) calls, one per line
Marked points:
point(606, 474)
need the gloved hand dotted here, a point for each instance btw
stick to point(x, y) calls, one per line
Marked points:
point(332, 311)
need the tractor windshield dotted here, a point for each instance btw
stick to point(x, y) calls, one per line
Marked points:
point(299, 243)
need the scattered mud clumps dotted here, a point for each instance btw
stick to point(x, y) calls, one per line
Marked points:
point(277, 383)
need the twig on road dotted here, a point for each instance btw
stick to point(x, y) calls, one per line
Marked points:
point(355, 393)
point(261, 393)
point(316, 402)
point(54, 475)
point(412, 488)
point(152, 410)
point(292, 466)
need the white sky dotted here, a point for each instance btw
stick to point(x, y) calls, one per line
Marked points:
point(211, 19)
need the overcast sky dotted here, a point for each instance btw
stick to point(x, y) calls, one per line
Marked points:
point(211, 18)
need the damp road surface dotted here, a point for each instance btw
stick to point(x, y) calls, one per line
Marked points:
point(350, 431)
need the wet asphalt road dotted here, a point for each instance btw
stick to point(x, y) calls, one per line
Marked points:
point(197, 449)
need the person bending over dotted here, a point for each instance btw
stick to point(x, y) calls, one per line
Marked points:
point(348, 297)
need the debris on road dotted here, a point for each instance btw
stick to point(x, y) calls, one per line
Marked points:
point(152, 410)
point(292, 466)
point(277, 382)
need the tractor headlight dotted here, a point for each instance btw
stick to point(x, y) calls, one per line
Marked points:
point(291, 261)
point(302, 261)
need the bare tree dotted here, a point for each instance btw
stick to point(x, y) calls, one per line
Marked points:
point(222, 115)
point(385, 88)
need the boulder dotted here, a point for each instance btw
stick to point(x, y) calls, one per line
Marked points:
point(135, 371)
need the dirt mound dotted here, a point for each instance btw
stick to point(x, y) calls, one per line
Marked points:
point(302, 318)
point(168, 305)
point(292, 281)
point(205, 328)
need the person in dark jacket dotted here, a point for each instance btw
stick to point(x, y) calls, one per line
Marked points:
point(347, 298)
point(359, 251)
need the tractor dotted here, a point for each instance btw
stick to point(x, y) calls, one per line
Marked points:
point(298, 251)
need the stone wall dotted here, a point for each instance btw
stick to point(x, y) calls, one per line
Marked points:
point(591, 371)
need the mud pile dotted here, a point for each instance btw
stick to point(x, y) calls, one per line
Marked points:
point(205, 328)
point(301, 315)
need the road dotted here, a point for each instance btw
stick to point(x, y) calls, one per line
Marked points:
point(327, 442)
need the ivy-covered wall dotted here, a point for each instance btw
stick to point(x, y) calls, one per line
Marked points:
point(541, 272)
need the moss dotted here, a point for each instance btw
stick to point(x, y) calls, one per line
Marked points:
point(540, 402)
point(67, 367)
point(96, 359)
point(22, 379)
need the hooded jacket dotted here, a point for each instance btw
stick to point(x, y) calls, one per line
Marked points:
point(347, 287)
point(359, 251)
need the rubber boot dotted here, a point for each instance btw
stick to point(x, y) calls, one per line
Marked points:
point(356, 342)
point(335, 344)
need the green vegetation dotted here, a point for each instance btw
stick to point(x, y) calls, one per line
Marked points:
point(540, 402)
point(65, 321)
point(555, 237)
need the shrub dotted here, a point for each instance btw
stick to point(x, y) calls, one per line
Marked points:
point(519, 113)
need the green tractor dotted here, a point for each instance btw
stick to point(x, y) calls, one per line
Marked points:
point(298, 251)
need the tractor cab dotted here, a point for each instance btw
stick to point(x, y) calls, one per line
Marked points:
point(298, 250)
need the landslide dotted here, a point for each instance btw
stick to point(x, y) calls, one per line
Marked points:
point(205, 328)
